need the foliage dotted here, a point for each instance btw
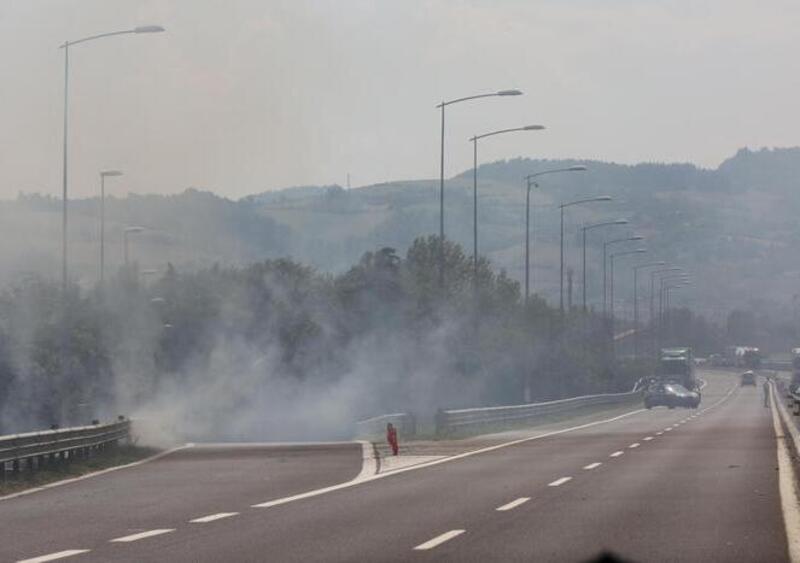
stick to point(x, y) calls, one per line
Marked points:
point(418, 345)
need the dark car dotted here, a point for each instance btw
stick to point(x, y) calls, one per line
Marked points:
point(670, 395)
point(748, 378)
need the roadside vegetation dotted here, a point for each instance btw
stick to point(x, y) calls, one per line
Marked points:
point(279, 349)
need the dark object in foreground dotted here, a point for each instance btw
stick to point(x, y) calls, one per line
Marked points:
point(670, 395)
point(608, 557)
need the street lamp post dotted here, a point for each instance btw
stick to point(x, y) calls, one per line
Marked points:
point(664, 301)
point(103, 175)
point(443, 105)
point(664, 281)
point(605, 260)
point(652, 317)
point(474, 141)
point(614, 255)
point(653, 275)
point(636, 303)
point(589, 228)
point(66, 45)
point(531, 184)
point(561, 268)
point(125, 233)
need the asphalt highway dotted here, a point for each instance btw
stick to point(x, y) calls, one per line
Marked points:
point(188, 483)
point(658, 485)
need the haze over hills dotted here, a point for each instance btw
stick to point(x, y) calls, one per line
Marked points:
point(732, 228)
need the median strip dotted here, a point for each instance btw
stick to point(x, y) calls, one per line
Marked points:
point(142, 535)
point(513, 504)
point(439, 540)
point(54, 556)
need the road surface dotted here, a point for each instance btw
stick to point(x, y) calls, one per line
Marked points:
point(659, 485)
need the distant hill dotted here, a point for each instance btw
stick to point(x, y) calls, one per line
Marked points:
point(734, 228)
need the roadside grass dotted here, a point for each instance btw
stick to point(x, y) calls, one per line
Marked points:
point(113, 457)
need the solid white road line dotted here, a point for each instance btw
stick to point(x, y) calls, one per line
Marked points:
point(93, 474)
point(369, 461)
point(593, 465)
point(213, 517)
point(513, 504)
point(647, 438)
point(439, 540)
point(54, 556)
point(143, 535)
point(617, 454)
point(787, 481)
point(559, 482)
point(359, 481)
point(634, 445)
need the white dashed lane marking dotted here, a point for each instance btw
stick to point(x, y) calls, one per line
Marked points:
point(54, 556)
point(143, 535)
point(659, 433)
point(634, 445)
point(439, 540)
point(513, 504)
point(593, 465)
point(617, 454)
point(647, 438)
point(559, 482)
point(213, 517)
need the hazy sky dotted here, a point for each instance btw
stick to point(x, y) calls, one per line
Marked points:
point(241, 96)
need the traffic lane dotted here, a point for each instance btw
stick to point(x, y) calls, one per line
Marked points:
point(709, 494)
point(188, 483)
point(384, 519)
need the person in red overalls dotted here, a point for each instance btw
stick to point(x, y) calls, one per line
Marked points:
point(391, 437)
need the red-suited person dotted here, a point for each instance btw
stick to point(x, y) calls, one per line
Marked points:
point(391, 437)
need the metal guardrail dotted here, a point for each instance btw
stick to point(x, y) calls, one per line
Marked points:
point(375, 427)
point(792, 397)
point(454, 420)
point(36, 449)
